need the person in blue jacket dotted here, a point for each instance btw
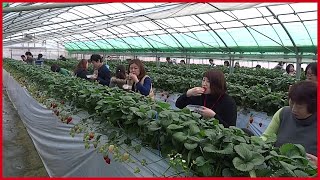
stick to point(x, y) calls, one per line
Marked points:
point(103, 76)
point(141, 81)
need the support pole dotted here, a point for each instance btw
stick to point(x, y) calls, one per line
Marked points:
point(298, 68)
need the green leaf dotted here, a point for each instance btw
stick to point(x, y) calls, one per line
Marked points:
point(134, 109)
point(186, 123)
point(215, 122)
point(195, 139)
point(180, 136)
point(140, 114)
point(196, 115)
point(194, 129)
point(257, 159)
point(226, 172)
point(227, 150)
point(202, 133)
point(164, 105)
point(166, 121)
point(189, 156)
point(206, 170)
point(209, 132)
point(200, 161)
point(174, 126)
point(153, 126)
point(190, 146)
point(209, 148)
point(288, 166)
point(243, 152)
point(300, 173)
point(241, 165)
point(142, 122)
point(291, 150)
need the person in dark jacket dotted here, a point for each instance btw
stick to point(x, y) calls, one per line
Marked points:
point(103, 72)
point(213, 99)
point(81, 70)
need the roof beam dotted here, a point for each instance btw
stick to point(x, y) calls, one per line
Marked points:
point(45, 6)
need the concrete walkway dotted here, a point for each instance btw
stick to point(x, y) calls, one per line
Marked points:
point(20, 158)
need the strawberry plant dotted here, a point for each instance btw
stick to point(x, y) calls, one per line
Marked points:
point(206, 147)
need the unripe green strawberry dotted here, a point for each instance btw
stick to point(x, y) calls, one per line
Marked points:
point(95, 144)
point(111, 147)
point(125, 156)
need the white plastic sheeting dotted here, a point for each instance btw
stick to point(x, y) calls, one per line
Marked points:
point(64, 156)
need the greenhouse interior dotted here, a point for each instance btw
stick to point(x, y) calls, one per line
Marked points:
point(160, 89)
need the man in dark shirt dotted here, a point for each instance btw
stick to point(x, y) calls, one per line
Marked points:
point(29, 59)
point(103, 76)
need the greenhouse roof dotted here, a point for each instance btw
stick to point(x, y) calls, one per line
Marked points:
point(217, 28)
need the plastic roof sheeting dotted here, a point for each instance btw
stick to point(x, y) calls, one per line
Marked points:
point(170, 27)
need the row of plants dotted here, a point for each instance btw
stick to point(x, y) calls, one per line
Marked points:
point(279, 83)
point(201, 147)
point(268, 73)
point(257, 97)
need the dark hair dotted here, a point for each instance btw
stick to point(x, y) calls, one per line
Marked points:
point(96, 58)
point(280, 63)
point(305, 92)
point(217, 81)
point(227, 63)
point(182, 61)
point(258, 66)
point(81, 65)
point(167, 58)
point(313, 67)
point(210, 60)
point(55, 68)
point(141, 67)
point(40, 56)
point(288, 68)
point(28, 53)
point(121, 72)
point(23, 56)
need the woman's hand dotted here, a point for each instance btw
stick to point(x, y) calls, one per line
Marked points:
point(94, 77)
point(312, 158)
point(133, 77)
point(196, 91)
point(113, 79)
point(206, 112)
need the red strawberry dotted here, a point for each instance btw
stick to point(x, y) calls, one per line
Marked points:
point(105, 157)
point(260, 124)
point(91, 135)
point(69, 119)
point(251, 120)
point(205, 89)
point(54, 105)
point(108, 160)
